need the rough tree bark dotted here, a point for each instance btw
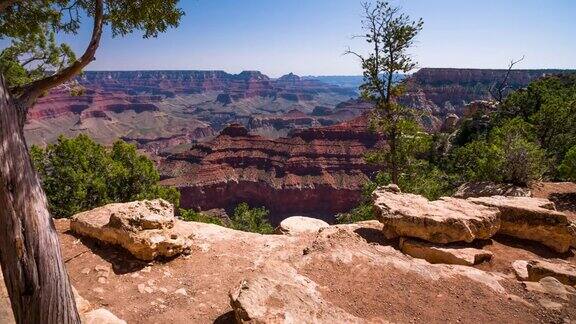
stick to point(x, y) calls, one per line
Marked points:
point(34, 271)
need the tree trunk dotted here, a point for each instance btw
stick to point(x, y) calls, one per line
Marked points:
point(34, 271)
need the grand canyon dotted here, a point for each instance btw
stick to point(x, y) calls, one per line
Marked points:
point(293, 145)
point(287, 162)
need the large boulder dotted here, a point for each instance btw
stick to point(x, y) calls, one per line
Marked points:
point(533, 219)
point(277, 293)
point(435, 253)
point(487, 188)
point(442, 221)
point(300, 225)
point(144, 228)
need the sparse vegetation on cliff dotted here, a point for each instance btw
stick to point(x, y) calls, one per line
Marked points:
point(251, 219)
point(78, 174)
point(190, 215)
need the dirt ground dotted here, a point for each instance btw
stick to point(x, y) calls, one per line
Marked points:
point(362, 273)
point(142, 292)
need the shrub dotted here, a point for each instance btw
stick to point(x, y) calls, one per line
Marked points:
point(78, 174)
point(190, 215)
point(510, 154)
point(251, 219)
point(567, 169)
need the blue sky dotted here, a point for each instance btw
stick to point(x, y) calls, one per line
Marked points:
point(308, 37)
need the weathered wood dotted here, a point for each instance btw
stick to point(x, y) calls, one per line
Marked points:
point(34, 271)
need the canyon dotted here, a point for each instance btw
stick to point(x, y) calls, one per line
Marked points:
point(316, 172)
point(152, 106)
point(294, 145)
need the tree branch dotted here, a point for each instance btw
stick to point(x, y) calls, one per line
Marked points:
point(497, 92)
point(30, 92)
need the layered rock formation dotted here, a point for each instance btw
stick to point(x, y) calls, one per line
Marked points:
point(160, 105)
point(313, 172)
point(442, 91)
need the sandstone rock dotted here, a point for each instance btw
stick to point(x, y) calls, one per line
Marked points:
point(548, 304)
point(550, 286)
point(441, 221)
point(101, 316)
point(487, 188)
point(279, 294)
point(444, 254)
point(564, 272)
point(81, 304)
point(6, 314)
point(533, 219)
point(520, 268)
point(300, 225)
point(144, 228)
point(181, 291)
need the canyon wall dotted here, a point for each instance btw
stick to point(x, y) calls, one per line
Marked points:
point(316, 172)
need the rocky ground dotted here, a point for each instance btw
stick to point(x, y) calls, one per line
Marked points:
point(344, 273)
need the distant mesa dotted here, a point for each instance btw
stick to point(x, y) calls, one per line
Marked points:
point(290, 77)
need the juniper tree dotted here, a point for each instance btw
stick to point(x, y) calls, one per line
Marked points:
point(390, 34)
point(33, 63)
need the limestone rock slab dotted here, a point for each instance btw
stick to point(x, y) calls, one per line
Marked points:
point(144, 228)
point(533, 219)
point(442, 221)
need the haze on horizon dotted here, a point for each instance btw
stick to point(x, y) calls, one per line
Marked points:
point(310, 37)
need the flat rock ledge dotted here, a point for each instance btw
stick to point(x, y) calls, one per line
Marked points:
point(533, 219)
point(296, 225)
point(442, 221)
point(144, 228)
point(446, 254)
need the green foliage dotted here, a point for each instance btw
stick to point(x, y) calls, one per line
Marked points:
point(423, 179)
point(549, 104)
point(567, 168)
point(78, 174)
point(390, 34)
point(251, 219)
point(32, 56)
point(510, 154)
point(31, 27)
point(190, 215)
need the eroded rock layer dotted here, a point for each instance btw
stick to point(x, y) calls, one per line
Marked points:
point(317, 171)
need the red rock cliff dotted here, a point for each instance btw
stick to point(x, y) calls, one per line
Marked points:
point(318, 171)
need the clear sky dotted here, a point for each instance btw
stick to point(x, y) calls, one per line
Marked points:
point(308, 37)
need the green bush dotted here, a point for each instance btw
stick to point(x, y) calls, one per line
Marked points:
point(190, 215)
point(511, 154)
point(78, 174)
point(251, 219)
point(567, 169)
